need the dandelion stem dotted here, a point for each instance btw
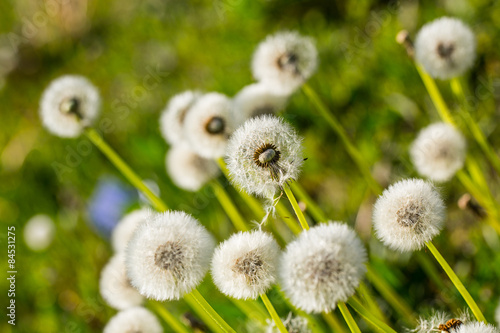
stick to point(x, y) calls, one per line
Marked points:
point(273, 313)
point(366, 295)
point(296, 208)
point(333, 322)
point(123, 167)
point(348, 317)
point(229, 207)
point(456, 281)
point(311, 206)
point(251, 309)
point(170, 319)
point(368, 316)
point(337, 127)
point(207, 313)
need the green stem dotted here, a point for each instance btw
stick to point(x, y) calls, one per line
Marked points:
point(366, 295)
point(170, 319)
point(368, 316)
point(296, 208)
point(286, 216)
point(456, 281)
point(333, 322)
point(123, 167)
point(311, 206)
point(251, 309)
point(348, 317)
point(207, 313)
point(273, 313)
point(229, 207)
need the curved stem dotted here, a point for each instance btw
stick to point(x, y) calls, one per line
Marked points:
point(296, 208)
point(207, 313)
point(229, 207)
point(273, 313)
point(348, 317)
point(311, 206)
point(170, 319)
point(368, 316)
point(333, 322)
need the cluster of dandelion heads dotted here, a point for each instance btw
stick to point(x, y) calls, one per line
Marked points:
point(438, 152)
point(408, 214)
point(292, 325)
point(323, 266)
point(134, 320)
point(208, 125)
point(124, 230)
point(285, 61)
point(69, 104)
point(445, 47)
point(168, 255)
point(255, 100)
point(245, 265)
point(173, 116)
point(263, 154)
point(115, 286)
point(187, 169)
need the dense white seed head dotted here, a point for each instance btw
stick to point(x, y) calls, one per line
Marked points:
point(187, 169)
point(134, 320)
point(408, 214)
point(245, 265)
point(263, 154)
point(173, 116)
point(292, 325)
point(124, 230)
point(445, 47)
point(431, 323)
point(168, 255)
point(497, 314)
point(208, 124)
point(115, 286)
point(323, 266)
point(438, 152)
point(69, 104)
point(255, 100)
point(39, 232)
point(285, 61)
point(476, 327)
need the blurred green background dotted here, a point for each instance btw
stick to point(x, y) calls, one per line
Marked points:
point(364, 76)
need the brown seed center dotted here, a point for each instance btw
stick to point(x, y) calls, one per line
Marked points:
point(249, 265)
point(169, 256)
point(71, 105)
point(289, 62)
point(445, 50)
point(216, 125)
point(266, 155)
point(409, 215)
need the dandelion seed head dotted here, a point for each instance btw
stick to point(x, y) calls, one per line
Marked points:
point(408, 214)
point(476, 327)
point(292, 325)
point(173, 116)
point(263, 154)
point(430, 324)
point(39, 232)
point(438, 152)
point(445, 47)
point(168, 255)
point(134, 320)
point(187, 169)
point(69, 104)
point(115, 286)
point(285, 61)
point(244, 266)
point(322, 267)
point(124, 230)
point(208, 125)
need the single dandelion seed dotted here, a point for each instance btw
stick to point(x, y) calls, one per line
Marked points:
point(244, 266)
point(323, 266)
point(134, 320)
point(475, 327)
point(438, 152)
point(124, 230)
point(69, 104)
point(408, 214)
point(445, 47)
point(292, 325)
point(187, 169)
point(168, 255)
point(173, 116)
point(263, 154)
point(285, 61)
point(208, 125)
point(39, 232)
point(115, 286)
point(255, 100)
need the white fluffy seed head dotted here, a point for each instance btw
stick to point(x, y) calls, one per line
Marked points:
point(115, 286)
point(69, 104)
point(285, 60)
point(187, 169)
point(408, 214)
point(255, 100)
point(168, 255)
point(263, 154)
point(208, 125)
point(476, 327)
point(134, 320)
point(124, 230)
point(438, 152)
point(173, 116)
point(431, 323)
point(322, 267)
point(39, 232)
point(244, 266)
point(445, 47)
point(292, 325)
